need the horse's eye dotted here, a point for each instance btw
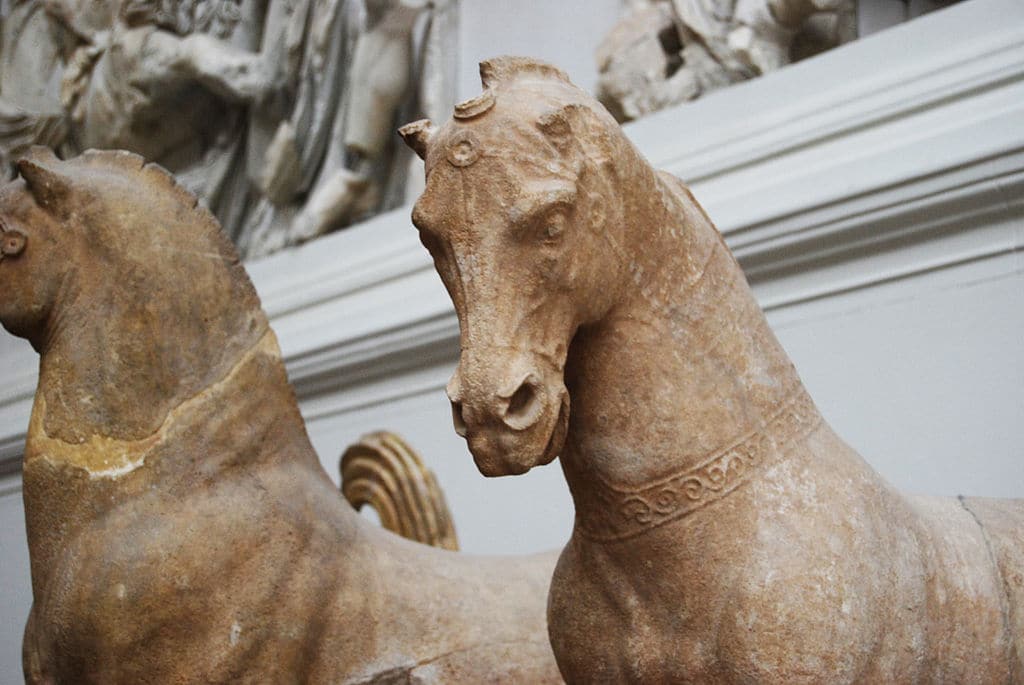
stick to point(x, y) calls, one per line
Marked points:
point(554, 227)
point(12, 243)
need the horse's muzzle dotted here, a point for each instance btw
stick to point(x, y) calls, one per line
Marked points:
point(513, 429)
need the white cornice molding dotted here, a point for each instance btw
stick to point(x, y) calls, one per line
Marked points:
point(888, 142)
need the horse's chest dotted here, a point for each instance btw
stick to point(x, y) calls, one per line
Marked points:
point(606, 628)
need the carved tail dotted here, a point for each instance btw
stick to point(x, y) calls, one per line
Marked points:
point(384, 472)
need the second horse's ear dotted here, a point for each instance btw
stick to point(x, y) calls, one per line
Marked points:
point(417, 136)
point(50, 188)
point(560, 125)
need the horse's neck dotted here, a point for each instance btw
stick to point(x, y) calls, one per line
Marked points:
point(676, 382)
point(118, 358)
point(100, 407)
point(243, 424)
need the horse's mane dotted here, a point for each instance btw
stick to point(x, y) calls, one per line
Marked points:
point(134, 164)
point(156, 204)
point(160, 179)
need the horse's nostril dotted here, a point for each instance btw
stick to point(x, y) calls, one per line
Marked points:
point(524, 406)
point(520, 399)
point(457, 419)
point(12, 243)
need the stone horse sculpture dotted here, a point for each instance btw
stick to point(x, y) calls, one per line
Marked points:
point(723, 533)
point(181, 528)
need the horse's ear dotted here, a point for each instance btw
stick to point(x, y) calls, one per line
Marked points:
point(417, 136)
point(558, 125)
point(50, 188)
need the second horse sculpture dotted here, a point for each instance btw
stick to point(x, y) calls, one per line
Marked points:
point(180, 527)
point(724, 533)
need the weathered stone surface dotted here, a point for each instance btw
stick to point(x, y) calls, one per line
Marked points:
point(180, 526)
point(723, 532)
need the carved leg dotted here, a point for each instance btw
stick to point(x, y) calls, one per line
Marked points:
point(281, 172)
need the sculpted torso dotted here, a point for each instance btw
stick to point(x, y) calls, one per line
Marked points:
point(180, 526)
point(214, 584)
point(723, 532)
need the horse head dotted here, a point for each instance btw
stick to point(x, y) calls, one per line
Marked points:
point(107, 266)
point(522, 221)
point(35, 245)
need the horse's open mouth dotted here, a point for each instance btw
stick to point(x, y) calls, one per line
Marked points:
point(558, 433)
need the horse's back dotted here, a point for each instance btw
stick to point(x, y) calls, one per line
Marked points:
point(968, 639)
point(1003, 523)
point(471, 619)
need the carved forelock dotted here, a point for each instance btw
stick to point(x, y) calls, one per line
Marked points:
point(558, 123)
point(569, 122)
point(499, 70)
point(494, 73)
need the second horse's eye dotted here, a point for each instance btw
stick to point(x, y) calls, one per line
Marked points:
point(554, 226)
point(12, 243)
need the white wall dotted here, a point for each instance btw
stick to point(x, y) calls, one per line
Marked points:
point(873, 194)
point(565, 33)
point(16, 592)
point(924, 379)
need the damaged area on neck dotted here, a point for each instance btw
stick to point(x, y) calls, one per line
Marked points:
point(103, 457)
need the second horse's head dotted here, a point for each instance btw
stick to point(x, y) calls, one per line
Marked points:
point(36, 247)
point(519, 217)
